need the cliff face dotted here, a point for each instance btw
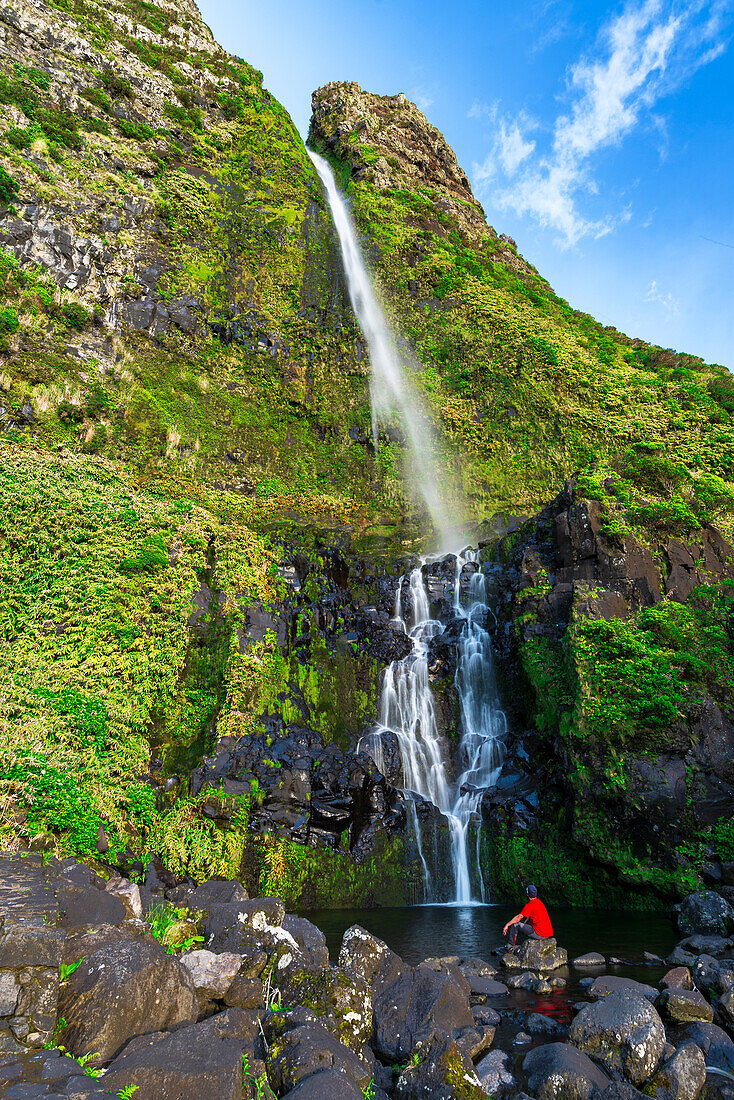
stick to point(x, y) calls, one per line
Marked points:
point(198, 538)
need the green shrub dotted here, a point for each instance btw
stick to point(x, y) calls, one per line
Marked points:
point(70, 414)
point(139, 131)
point(8, 188)
point(713, 494)
point(21, 137)
point(141, 804)
point(59, 126)
point(116, 85)
point(9, 322)
point(57, 801)
point(88, 717)
point(631, 685)
point(149, 559)
point(98, 98)
point(97, 400)
point(647, 465)
point(74, 315)
point(722, 834)
point(545, 349)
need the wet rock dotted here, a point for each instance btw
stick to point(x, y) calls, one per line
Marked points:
point(122, 990)
point(494, 1073)
point(682, 1006)
point(589, 960)
point(474, 1041)
point(440, 1070)
point(237, 927)
point(677, 978)
point(705, 913)
point(542, 1025)
point(706, 945)
point(713, 975)
point(485, 1016)
point(681, 1077)
point(716, 1045)
point(88, 907)
point(309, 1049)
point(612, 983)
point(680, 957)
point(540, 954)
point(559, 1071)
point(522, 1039)
point(193, 1062)
point(623, 1032)
point(725, 1009)
point(485, 987)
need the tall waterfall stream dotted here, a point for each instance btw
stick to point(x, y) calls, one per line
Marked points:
point(407, 705)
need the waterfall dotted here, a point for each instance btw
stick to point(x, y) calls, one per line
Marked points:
point(407, 706)
point(407, 709)
point(390, 389)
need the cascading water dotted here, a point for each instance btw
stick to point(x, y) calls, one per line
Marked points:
point(407, 709)
point(390, 390)
point(407, 706)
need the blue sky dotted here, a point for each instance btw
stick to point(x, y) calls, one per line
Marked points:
point(600, 137)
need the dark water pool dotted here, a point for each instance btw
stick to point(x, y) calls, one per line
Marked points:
point(419, 932)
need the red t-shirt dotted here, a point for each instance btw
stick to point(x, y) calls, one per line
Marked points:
point(537, 914)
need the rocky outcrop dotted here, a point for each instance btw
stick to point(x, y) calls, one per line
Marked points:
point(311, 792)
point(389, 142)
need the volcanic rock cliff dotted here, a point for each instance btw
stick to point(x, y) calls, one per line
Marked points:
point(199, 538)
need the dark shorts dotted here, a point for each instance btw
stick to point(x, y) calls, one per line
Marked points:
point(523, 929)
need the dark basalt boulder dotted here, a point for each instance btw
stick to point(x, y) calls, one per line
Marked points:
point(683, 1006)
point(242, 927)
point(611, 983)
point(313, 793)
point(705, 914)
point(328, 1084)
point(123, 990)
point(410, 1005)
point(440, 1070)
point(194, 1062)
point(307, 1050)
point(310, 939)
point(716, 1045)
point(682, 1075)
point(713, 976)
point(623, 1032)
point(559, 1071)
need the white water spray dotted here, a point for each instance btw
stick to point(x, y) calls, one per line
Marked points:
point(406, 701)
point(390, 391)
point(407, 709)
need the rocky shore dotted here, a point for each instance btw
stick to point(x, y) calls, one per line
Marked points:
point(177, 991)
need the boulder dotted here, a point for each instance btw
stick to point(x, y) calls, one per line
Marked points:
point(683, 1006)
point(541, 954)
point(480, 987)
point(194, 1062)
point(559, 1071)
point(494, 1072)
point(474, 1041)
point(486, 1016)
point(216, 891)
point(705, 913)
point(87, 907)
point(680, 957)
point(623, 1032)
point(310, 1049)
point(589, 960)
point(438, 1070)
point(713, 976)
point(612, 983)
point(478, 967)
point(716, 1045)
point(542, 1025)
point(328, 1084)
point(124, 989)
point(363, 954)
point(128, 893)
point(410, 1004)
point(621, 1090)
point(240, 927)
point(681, 1077)
point(725, 1009)
point(310, 939)
point(450, 966)
point(677, 978)
point(211, 974)
point(715, 946)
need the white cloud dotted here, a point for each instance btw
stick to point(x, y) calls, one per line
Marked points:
point(640, 56)
point(670, 304)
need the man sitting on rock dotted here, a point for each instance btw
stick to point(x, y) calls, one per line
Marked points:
point(532, 921)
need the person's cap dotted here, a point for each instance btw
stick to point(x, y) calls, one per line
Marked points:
point(531, 891)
